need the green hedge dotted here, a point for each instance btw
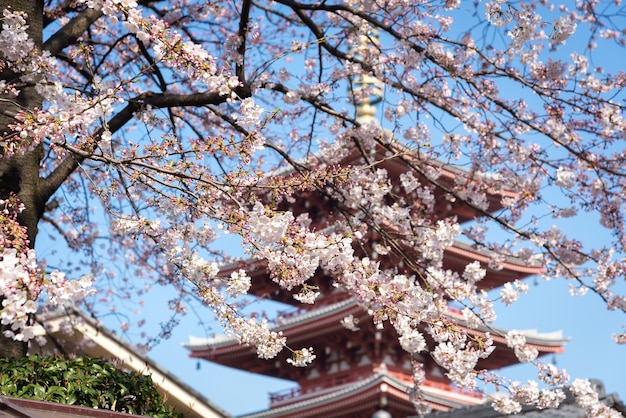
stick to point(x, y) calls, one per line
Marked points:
point(83, 381)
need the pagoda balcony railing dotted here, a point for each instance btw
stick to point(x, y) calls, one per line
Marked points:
point(328, 383)
point(294, 392)
point(453, 389)
point(285, 394)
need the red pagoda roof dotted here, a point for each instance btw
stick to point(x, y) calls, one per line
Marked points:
point(397, 159)
point(302, 328)
point(456, 258)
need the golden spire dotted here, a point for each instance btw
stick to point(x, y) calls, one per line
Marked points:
point(368, 89)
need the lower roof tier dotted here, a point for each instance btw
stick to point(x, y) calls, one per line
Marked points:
point(338, 349)
point(363, 398)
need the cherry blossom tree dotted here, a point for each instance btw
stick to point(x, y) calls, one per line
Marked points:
point(141, 130)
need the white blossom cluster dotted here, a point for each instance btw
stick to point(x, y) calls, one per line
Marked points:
point(552, 375)
point(411, 339)
point(293, 253)
point(302, 357)
point(460, 361)
point(506, 405)
point(268, 343)
point(268, 230)
point(587, 398)
point(565, 178)
point(369, 189)
point(306, 295)
point(350, 322)
point(530, 394)
point(563, 29)
point(22, 284)
point(16, 274)
point(527, 394)
point(517, 341)
point(61, 290)
point(15, 43)
point(527, 23)
point(511, 291)
point(239, 283)
point(249, 114)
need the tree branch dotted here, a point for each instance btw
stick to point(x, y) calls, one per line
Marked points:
point(55, 179)
point(240, 69)
point(73, 30)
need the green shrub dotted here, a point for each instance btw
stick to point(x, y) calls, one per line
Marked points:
point(83, 381)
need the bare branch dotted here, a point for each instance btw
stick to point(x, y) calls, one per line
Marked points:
point(240, 70)
point(69, 33)
point(50, 184)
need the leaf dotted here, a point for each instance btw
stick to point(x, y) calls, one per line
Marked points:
point(39, 392)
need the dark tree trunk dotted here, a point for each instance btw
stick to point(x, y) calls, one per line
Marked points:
point(20, 174)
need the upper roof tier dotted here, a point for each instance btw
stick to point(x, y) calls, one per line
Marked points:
point(455, 258)
point(442, 178)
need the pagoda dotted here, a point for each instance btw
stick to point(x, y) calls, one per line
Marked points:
point(357, 373)
point(364, 372)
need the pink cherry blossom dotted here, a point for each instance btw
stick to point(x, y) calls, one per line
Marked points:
point(406, 153)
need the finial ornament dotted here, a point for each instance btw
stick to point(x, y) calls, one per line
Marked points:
point(368, 91)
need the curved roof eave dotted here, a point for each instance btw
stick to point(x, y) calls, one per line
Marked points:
point(548, 341)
